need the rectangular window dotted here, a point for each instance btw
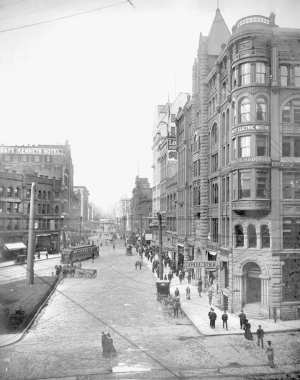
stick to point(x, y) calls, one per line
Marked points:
point(7, 158)
point(9, 224)
point(260, 72)
point(214, 222)
point(36, 158)
point(234, 155)
point(223, 239)
point(173, 131)
point(261, 145)
point(286, 114)
point(296, 107)
point(291, 233)
point(244, 146)
point(284, 75)
point(245, 70)
point(2, 207)
point(48, 159)
point(286, 146)
point(244, 184)
point(262, 185)
point(297, 76)
point(235, 190)
point(291, 185)
point(16, 224)
point(17, 208)
point(227, 155)
point(227, 189)
point(56, 194)
point(48, 209)
point(9, 207)
point(223, 91)
point(223, 189)
point(227, 231)
point(223, 156)
point(23, 158)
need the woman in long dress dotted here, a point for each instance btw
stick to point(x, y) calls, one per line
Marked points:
point(248, 333)
point(270, 354)
point(110, 345)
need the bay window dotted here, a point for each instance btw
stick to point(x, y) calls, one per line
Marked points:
point(239, 235)
point(260, 72)
point(262, 181)
point(244, 184)
point(261, 145)
point(244, 110)
point(261, 109)
point(245, 73)
point(244, 148)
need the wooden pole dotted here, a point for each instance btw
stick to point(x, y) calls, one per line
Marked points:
point(161, 275)
point(31, 240)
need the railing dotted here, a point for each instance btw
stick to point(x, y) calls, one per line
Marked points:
point(253, 19)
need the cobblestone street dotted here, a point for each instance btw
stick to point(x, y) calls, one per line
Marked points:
point(65, 339)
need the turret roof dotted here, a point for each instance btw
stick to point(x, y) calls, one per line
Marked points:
point(219, 34)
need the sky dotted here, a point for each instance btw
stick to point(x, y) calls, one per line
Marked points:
point(95, 77)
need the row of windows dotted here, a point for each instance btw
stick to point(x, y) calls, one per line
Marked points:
point(251, 184)
point(27, 158)
point(252, 237)
point(15, 208)
point(16, 224)
point(11, 192)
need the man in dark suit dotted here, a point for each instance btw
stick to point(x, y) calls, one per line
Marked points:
point(213, 317)
point(242, 317)
point(209, 313)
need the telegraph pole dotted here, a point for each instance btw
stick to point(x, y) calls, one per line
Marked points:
point(31, 238)
point(124, 218)
point(160, 247)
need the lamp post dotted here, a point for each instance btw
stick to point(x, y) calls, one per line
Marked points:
point(31, 238)
point(160, 246)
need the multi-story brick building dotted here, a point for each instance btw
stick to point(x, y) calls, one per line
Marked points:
point(81, 214)
point(51, 169)
point(246, 127)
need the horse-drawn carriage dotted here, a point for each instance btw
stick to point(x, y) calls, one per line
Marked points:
point(87, 273)
point(162, 289)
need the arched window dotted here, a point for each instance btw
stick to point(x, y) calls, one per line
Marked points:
point(40, 194)
point(291, 112)
point(28, 193)
point(2, 191)
point(28, 208)
point(239, 235)
point(17, 192)
point(214, 134)
point(223, 124)
point(44, 194)
point(49, 195)
point(10, 192)
point(56, 210)
point(195, 143)
point(199, 143)
point(265, 237)
point(252, 240)
point(199, 196)
point(244, 110)
point(261, 109)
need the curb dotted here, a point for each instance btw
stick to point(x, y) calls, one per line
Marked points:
point(35, 315)
point(11, 265)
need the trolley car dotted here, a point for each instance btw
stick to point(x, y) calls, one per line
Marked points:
point(82, 252)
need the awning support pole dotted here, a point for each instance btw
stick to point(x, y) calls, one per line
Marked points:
point(31, 245)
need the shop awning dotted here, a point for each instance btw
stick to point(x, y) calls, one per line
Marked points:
point(213, 253)
point(15, 246)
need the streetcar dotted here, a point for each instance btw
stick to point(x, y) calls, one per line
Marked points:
point(81, 252)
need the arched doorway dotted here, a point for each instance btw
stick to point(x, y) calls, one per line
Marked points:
point(252, 283)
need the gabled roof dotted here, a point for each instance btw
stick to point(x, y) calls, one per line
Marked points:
point(219, 34)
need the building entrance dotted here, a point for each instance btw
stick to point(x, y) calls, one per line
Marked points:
point(252, 283)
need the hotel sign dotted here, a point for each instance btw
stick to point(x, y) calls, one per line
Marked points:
point(22, 150)
point(251, 128)
point(171, 143)
point(202, 264)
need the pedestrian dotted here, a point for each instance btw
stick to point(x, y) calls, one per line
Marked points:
point(213, 317)
point(209, 313)
point(140, 263)
point(270, 354)
point(183, 273)
point(248, 334)
point(157, 272)
point(177, 292)
point(188, 293)
point(93, 258)
point(275, 314)
point(200, 286)
point(165, 278)
point(110, 345)
point(180, 277)
point(242, 317)
point(210, 294)
point(260, 336)
point(47, 255)
point(176, 308)
point(104, 343)
point(193, 273)
point(170, 276)
point(114, 246)
point(225, 319)
point(136, 264)
point(189, 277)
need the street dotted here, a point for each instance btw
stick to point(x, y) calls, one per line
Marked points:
point(65, 339)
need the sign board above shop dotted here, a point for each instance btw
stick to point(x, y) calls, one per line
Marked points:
point(32, 150)
point(201, 264)
point(251, 128)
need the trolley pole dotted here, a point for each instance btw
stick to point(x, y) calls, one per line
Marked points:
point(160, 247)
point(31, 237)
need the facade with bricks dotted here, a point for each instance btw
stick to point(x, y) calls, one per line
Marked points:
point(51, 169)
point(246, 164)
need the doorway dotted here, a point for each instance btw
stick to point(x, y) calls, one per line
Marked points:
point(252, 283)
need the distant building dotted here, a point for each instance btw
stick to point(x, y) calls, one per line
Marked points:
point(50, 168)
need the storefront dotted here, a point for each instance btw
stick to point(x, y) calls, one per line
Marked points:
point(12, 250)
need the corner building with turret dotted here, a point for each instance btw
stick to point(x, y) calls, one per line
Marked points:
point(245, 146)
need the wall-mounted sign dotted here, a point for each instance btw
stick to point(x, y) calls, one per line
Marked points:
point(202, 264)
point(171, 143)
point(21, 150)
point(251, 128)
point(252, 159)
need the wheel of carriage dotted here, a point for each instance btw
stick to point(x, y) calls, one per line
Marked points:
point(95, 274)
point(88, 275)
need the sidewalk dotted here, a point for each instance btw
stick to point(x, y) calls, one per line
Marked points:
point(43, 257)
point(197, 308)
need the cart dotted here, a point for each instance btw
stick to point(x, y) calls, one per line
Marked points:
point(129, 250)
point(162, 289)
point(87, 273)
point(20, 259)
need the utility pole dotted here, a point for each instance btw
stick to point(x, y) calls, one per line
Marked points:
point(160, 247)
point(31, 238)
point(80, 228)
point(124, 218)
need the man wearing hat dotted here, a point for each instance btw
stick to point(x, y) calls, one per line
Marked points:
point(213, 317)
point(260, 336)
